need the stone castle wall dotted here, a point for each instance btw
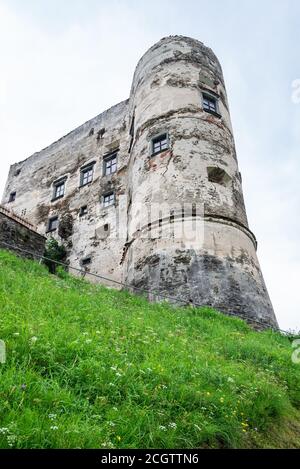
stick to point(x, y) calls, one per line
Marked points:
point(19, 236)
point(129, 241)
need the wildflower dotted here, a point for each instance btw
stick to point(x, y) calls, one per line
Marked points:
point(52, 416)
point(11, 439)
point(54, 427)
point(163, 428)
point(172, 425)
point(4, 430)
point(118, 374)
point(33, 339)
point(112, 424)
point(163, 386)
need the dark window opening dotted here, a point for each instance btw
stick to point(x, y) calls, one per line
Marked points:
point(108, 199)
point(86, 261)
point(218, 175)
point(12, 197)
point(131, 131)
point(86, 175)
point(106, 227)
point(83, 211)
point(160, 143)
point(52, 224)
point(110, 164)
point(210, 104)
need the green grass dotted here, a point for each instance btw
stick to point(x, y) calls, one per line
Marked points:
point(91, 367)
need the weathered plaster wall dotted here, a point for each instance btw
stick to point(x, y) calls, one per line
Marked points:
point(221, 268)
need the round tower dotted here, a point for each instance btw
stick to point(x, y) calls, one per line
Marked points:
point(184, 177)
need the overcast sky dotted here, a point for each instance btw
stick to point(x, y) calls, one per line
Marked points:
point(64, 61)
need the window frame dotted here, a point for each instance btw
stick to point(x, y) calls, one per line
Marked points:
point(107, 194)
point(107, 159)
point(82, 213)
point(86, 169)
point(50, 221)
point(59, 183)
point(155, 140)
point(210, 97)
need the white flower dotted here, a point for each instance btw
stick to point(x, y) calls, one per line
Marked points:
point(4, 430)
point(118, 374)
point(54, 427)
point(172, 425)
point(52, 416)
point(33, 339)
point(112, 424)
point(163, 428)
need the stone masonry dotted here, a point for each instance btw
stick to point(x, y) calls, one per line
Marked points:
point(115, 189)
point(17, 235)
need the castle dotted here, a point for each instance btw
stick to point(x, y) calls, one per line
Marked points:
point(120, 190)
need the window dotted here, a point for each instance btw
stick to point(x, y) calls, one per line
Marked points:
point(86, 261)
point(160, 143)
point(12, 197)
point(83, 211)
point(59, 189)
point(52, 224)
point(218, 175)
point(108, 199)
point(210, 103)
point(110, 164)
point(86, 174)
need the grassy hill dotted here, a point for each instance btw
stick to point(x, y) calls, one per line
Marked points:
point(91, 367)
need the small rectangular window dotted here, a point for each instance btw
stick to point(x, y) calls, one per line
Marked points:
point(210, 104)
point(12, 197)
point(59, 190)
point(83, 210)
point(86, 175)
point(160, 143)
point(110, 164)
point(108, 199)
point(86, 261)
point(52, 224)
